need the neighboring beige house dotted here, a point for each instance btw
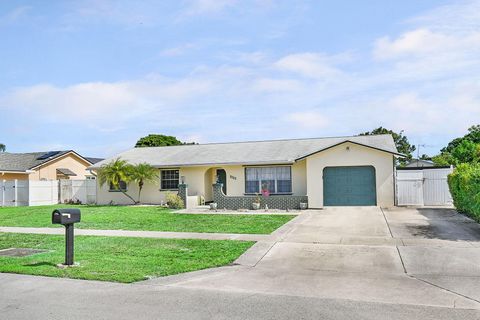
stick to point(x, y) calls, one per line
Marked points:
point(356, 170)
point(51, 165)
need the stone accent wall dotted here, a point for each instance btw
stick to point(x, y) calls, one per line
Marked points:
point(245, 202)
point(183, 192)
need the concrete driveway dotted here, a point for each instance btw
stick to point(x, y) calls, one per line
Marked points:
point(337, 263)
point(403, 255)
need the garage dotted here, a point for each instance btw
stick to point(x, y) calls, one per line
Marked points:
point(349, 186)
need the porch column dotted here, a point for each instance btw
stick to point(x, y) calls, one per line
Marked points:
point(183, 192)
point(218, 195)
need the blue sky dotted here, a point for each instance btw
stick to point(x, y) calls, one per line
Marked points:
point(95, 76)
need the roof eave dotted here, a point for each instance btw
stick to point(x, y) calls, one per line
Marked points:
point(212, 164)
point(353, 142)
point(59, 156)
point(2, 171)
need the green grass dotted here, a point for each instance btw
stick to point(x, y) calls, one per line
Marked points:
point(118, 259)
point(145, 218)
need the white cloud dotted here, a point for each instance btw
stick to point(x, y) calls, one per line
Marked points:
point(96, 102)
point(276, 85)
point(310, 65)
point(200, 7)
point(420, 41)
point(129, 14)
point(423, 42)
point(178, 50)
point(457, 17)
point(308, 119)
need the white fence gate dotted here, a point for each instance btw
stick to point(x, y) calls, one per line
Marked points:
point(84, 191)
point(15, 193)
point(423, 187)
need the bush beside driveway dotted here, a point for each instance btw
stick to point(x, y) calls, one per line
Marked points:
point(464, 184)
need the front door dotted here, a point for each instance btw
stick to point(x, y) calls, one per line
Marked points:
point(222, 178)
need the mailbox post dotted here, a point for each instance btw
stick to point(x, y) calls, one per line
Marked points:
point(67, 217)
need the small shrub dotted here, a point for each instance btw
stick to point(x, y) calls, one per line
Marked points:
point(464, 185)
point(72, 201)
point(174, 201)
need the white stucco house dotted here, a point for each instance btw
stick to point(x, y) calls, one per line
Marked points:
point(355, 170)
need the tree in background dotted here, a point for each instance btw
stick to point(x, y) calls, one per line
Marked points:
point(143, 173)
point(159, 140)
point(3, 147)
point(401, 141)
point(113, 173)
point(473, 135)
point(465, 149)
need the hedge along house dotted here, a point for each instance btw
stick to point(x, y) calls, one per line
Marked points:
point(340, 171)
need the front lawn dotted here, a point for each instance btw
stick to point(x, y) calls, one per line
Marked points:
point(149, 218)
point(118, 259)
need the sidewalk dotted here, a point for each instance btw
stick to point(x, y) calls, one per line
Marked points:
point(143, 234)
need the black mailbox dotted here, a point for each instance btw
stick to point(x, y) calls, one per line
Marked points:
point(65, 216)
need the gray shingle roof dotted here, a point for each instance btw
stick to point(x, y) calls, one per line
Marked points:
point(251, 152)
point(26, 161)
point(93, 160)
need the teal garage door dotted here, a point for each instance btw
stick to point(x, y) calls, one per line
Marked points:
point(349, 186)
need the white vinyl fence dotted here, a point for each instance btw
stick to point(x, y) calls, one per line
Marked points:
point(15, 193)
point(423, 187)
point(83, 190)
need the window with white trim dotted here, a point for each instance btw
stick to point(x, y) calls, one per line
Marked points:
point(277, 180)
point(169, 179)
point(122, 186)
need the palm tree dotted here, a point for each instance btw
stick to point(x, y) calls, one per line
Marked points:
point(114, 172)
point(3, 147)
point(141, 174)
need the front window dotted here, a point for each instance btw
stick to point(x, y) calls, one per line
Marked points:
point(170, 179)
point(268, 179)
point(122, 186)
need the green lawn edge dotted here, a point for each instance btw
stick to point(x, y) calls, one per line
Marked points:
point(146, 218)
point(118, 259)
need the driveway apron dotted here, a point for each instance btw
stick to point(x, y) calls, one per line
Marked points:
point(356, 253)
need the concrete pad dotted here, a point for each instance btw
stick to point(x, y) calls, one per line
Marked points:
point(427, 223)
point(441, 261)
point(252, 256)
point(467, 286)
point(475, 244)
point(310, 234)
point(399, 289)
point(294, 257)
point(436, 243)
point(338, 222)
point(287, 228)
point(408, 213)
point(371, 241)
